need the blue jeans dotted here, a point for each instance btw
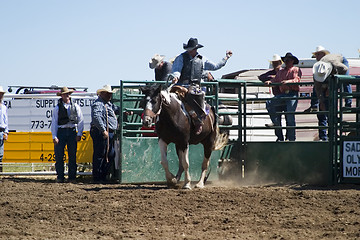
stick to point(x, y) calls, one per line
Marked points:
point(346, 88)
point(314, 103)
point(67, 137)
point(277, 105)
point(101, 165)
point(323, 120)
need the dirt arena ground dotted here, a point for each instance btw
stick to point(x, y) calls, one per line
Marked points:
point(39, 208)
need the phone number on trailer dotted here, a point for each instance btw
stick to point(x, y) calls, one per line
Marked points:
point(40, 124)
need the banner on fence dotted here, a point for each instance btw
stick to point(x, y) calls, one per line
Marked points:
point(351, 159)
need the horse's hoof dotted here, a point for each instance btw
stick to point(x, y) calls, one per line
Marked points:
point(187, 186)
point(199, 185)
point(172, 183)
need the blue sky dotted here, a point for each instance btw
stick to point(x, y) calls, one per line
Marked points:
point(91, 43)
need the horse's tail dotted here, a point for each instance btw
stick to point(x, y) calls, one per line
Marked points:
point(222, 136)
point(221, 139)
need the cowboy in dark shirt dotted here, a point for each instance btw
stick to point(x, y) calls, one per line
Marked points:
point(266, 78)
point(189, 70)
point(161, 67)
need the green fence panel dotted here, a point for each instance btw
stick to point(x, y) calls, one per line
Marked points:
point(141, 161)
point(300, 162)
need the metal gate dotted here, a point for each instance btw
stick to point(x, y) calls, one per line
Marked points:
point(345, 134)
point(138, 149)
point(301, 161)
point(304, 161)
point(307, 161)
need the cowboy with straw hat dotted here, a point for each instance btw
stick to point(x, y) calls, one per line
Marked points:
point(276, 63)
point(327, 65)
point(268, 76)
point(156, 60)
point(4, 129)
point(67, 127)
point(106, 89)
point(64, 90)
point(320, 52)
point(162, 68)
point(102, 131)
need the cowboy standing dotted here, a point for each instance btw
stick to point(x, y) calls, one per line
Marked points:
point(67, 126)
point(319, 53)
point(280, 103)
point(189, 69)
point(162, 68)
point(102, 131)
point(4, 130)
point(267, 77)
point(328, 65)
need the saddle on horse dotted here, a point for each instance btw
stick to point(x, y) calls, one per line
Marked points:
point(194, 102)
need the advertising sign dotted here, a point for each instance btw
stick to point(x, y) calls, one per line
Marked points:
point(30, 138)
point(351, 159)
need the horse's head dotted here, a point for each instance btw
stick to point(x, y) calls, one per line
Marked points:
point(151, 103)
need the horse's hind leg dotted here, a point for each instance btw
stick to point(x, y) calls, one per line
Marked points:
point(204, 167)
point(184, 161)
point(180, 171)
point(170, 178)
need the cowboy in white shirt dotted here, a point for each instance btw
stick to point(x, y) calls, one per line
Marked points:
point(66, 119)
point(4, 130)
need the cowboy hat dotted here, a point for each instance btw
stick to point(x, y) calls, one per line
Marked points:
point(64, 90)
point(321, 70)
point(275, 58)
point(289, 55)
point(105, 88)
point(2, 90)
point(321, 49)
point(156, 60)
point(192, 44)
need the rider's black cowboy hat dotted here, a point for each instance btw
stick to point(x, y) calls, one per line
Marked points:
point(289, 55)
point(192, 44)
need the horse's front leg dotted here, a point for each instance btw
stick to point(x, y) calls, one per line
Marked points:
point(204, 168)
point(170, 178)
point(183, 155)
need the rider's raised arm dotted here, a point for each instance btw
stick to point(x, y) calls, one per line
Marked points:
point(208, 65)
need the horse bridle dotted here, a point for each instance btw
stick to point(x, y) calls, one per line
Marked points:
point(149, 114)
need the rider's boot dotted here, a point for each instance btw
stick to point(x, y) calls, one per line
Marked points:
point(196, 121)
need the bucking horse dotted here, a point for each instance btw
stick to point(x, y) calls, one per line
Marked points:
point(173, 125)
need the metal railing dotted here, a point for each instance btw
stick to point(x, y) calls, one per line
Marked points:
point(130, 123)
point(242, 102)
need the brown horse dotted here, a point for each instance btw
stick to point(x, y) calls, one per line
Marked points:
point(173, 125)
